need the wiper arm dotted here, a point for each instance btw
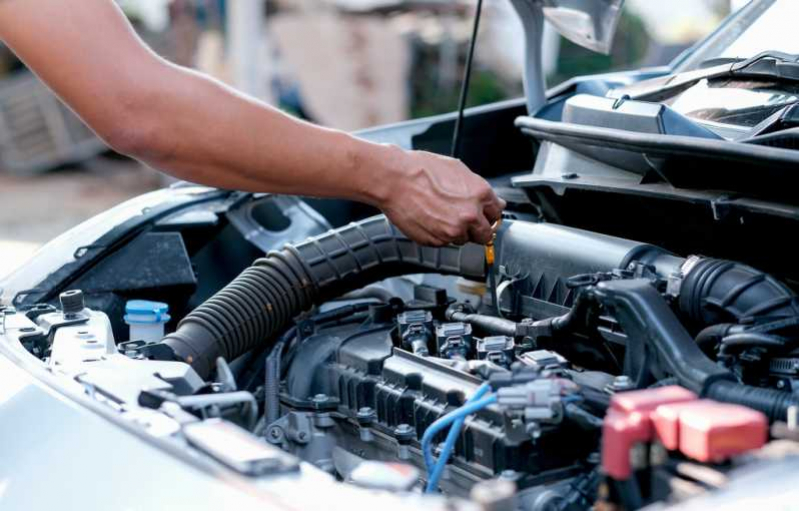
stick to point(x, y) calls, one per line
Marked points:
point(745, 61)
point(771, 65)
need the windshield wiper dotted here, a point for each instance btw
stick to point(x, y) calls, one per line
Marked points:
point(769, 65)
point(774, 65)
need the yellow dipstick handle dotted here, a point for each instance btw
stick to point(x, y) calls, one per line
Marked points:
point(490, 257)
point(490, 254)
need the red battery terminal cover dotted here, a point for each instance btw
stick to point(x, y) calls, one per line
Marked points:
point(628, 422)
point(709, 431)
point(701, 429)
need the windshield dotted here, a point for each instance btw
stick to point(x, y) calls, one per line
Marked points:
point(737, 102)
point(763, 25)
point(774, 29)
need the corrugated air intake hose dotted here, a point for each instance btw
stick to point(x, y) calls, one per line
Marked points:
point(261, 302)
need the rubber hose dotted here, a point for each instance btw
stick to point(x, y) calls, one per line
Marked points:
point(716, 291)
point(712, 335)
point(488, 324)
point(265, 297)
point(773, 403)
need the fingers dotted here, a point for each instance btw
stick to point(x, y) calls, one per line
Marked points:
point(457, 234)
point(493, 211)
point(444, 202)
point(492, 205)
point(480, 231)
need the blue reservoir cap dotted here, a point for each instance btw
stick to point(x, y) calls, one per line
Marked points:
point(145, 311)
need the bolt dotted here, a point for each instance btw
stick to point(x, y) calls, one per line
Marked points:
point(320, 398)
point(365, 415)
point(781, 384)
point(275, 433)
point(365, 418)
point(404, 433)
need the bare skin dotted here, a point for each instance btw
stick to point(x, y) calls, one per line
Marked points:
point(200, 130)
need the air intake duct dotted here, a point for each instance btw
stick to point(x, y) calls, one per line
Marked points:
point(261, 302)
point(716, 291)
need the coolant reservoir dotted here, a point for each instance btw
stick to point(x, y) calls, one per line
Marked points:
point(146, 320)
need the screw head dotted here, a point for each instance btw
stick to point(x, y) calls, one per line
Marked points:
point(404, 433)
point(365, 416)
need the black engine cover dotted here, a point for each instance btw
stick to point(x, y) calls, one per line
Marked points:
point(359, 366)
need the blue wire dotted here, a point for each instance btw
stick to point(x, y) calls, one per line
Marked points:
point(456, 419)
point(438, 425)
point(449, 444)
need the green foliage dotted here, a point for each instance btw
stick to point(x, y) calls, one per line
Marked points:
point(630, 46)
point(428, 98)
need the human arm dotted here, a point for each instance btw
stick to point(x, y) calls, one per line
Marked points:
point(198, 129)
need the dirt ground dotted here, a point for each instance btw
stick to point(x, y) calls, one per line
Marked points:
point(35, 209)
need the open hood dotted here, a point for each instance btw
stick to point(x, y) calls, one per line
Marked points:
point(589, 23)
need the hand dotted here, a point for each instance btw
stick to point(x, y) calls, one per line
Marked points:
point(436, 200)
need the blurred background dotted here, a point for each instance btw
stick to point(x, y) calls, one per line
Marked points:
point(348, 64)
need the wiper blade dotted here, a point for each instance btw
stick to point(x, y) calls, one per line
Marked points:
point(745, 61)
point(769, 65)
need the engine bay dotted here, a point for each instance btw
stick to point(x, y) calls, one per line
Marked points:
point(558, 369)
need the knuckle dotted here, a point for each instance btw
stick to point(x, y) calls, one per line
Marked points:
point(468, 218)
point(453, 232)
point(482, 236)
point(485, 191)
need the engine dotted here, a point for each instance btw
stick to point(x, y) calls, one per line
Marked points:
point(559, 366)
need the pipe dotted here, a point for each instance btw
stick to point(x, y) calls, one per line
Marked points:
point(487, 324)
point(716, 291)
point(710, 336)
point(645, 318)
point(265, 297)
point(745, 340)
point(773, 403)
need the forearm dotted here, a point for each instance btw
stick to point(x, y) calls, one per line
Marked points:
point(178, 120)
point(200, 130)
point(203, 131)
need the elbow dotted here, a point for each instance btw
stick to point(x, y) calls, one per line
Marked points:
point(130, 126)
point(135, 137)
